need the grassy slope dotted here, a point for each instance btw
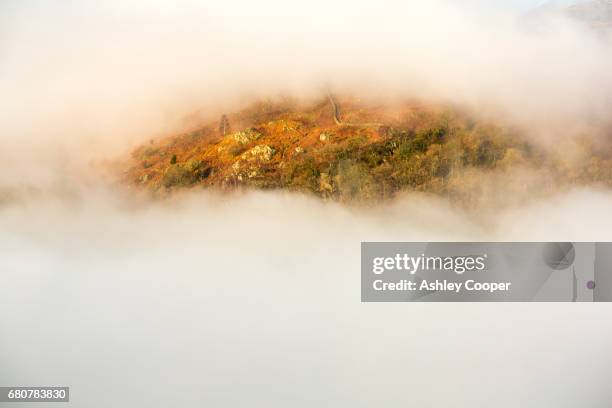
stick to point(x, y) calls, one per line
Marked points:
point(424, 148)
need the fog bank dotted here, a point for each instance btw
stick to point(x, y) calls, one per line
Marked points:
point(254, 300)
point(86, 79)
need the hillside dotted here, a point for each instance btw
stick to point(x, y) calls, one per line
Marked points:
point(594, 13)
point(594, 10)
point(597, 13)
point(347, 150)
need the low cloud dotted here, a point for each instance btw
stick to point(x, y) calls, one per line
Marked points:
point(93, 77)
point(254, 299)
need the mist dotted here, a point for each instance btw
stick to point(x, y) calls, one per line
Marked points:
point(253, 298)
point(100, 77)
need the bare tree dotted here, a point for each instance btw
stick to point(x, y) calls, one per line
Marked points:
point(224, 126)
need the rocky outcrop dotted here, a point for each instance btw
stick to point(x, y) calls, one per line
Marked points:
point(249, 163)
point(261, 153)
point(246, 136)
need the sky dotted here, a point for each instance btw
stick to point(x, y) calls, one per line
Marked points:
point(484, 4)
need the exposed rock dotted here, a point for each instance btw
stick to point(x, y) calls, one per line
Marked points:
point(247, 166)
point(246, 136)
point(262, 153)
point(324, 136)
